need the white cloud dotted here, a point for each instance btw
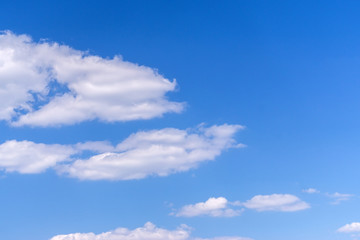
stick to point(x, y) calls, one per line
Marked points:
point(350, 228)
point(214, 207)
point(311, 190)
point(276, 202)
point(29, 157)
point(45, 84)
point(148, 232)
point(156, 152)
point(220, 207)
point(339, 197)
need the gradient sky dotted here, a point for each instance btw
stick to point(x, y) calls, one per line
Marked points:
point(279, 78)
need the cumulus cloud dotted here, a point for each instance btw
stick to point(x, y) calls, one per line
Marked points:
point(46, 84)
point(149, 232)
point(350, 228)
point(276, 202)
point(214, 207)
point(157, 152)
point(30, 157)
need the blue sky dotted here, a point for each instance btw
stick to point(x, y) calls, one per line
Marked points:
point(257, 138)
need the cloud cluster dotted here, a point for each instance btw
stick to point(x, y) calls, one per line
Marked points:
point(157, 152)
point(149, 232)
point(49, 84)
point(214, 207)
point(46, 84)
point(220, 207)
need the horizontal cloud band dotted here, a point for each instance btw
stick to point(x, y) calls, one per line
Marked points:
point(46, 84)
point(148, 231)
point(157, 152)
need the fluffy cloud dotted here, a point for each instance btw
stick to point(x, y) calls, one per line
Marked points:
point(44, 84)
point(148, 232)
point(350, 228)
point(276, 202)
point(214, 207)
point(156, 152)
point(29, 157)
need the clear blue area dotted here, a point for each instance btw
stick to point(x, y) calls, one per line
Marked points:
point(287, 70)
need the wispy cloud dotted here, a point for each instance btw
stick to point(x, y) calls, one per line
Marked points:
point(336, 197)
point(339, 197)
point(311, 190)
point(47, 84)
